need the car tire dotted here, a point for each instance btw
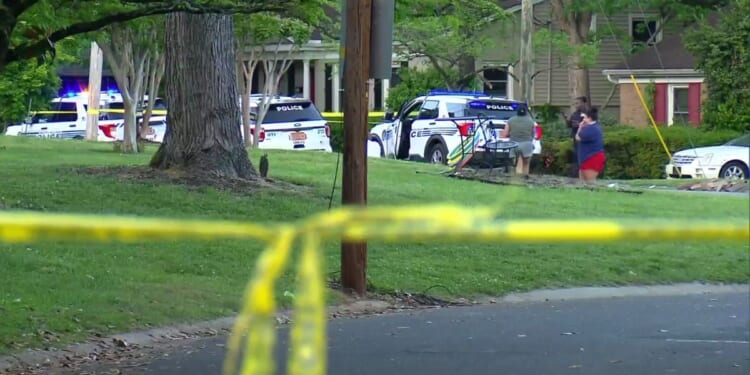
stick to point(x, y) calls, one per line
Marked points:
point(734, 169)
point(437, 153)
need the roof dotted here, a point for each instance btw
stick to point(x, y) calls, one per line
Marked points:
point(669, 53)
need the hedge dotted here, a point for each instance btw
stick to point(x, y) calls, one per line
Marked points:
point(632, 153)
point(337, 130)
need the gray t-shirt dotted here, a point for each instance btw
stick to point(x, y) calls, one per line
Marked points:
point(521, 128)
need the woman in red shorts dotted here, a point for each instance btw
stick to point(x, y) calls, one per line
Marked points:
point(590, 139)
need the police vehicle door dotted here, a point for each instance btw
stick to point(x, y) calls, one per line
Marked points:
point(424, 126)
point(402, 128)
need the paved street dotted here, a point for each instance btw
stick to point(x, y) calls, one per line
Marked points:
point(694, 334)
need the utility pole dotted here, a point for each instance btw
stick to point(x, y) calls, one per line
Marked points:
point(367, 49)
point(354, 181)
point(95, 85)
point(527, 50)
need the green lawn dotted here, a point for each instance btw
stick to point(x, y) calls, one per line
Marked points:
point(53, 293)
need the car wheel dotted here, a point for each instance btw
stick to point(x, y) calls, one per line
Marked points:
point(734, 170)
point(438, 153)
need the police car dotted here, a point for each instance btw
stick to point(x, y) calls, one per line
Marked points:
point(291, 124)
point(67, 117)
point(430, 127)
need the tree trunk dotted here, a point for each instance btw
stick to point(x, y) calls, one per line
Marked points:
point(247, 72)
point(578, 79)
point(130, 135)
point(203, 135)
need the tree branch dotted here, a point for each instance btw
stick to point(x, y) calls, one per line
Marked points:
point(39, 47)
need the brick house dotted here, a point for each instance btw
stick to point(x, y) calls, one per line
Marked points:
point(666, 75)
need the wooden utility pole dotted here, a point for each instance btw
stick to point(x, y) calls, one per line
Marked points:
point(527, 50)
point(95, 85)
point(354, 181)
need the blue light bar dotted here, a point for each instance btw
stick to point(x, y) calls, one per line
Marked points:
point(451, 92)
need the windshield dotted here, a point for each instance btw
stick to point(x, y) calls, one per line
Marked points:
point(291, 112)
point(741, 141)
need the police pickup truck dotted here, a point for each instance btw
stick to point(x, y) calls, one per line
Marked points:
point(423, 128)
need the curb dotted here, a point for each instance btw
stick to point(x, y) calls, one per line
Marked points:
point(91, 351)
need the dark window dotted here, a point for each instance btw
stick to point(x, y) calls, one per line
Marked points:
point(291, 112)
point(60, 112)
point(117, 106)
point(680, 105)
point(429, 110)
point(642, 31)
point(496, 82)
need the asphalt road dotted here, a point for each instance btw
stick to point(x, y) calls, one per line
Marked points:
point(693, 334)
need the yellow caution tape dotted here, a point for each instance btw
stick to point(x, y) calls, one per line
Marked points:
point(255, 322)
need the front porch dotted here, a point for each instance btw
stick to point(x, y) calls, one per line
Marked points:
point(315, 75)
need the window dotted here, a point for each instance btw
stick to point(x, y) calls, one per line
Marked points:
point(291, 112)
point(62, 112)
point(678, 105)
point(644, 31)
point(496, 81)
point(429, 110)
point(455, 109)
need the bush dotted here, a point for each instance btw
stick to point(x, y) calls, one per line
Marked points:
point(632, 153)
point(337, 130)
point(413, 83)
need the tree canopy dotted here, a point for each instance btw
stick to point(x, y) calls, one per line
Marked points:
point(32, 28)
point(721, 46)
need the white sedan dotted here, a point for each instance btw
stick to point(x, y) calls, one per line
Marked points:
point(730, 161)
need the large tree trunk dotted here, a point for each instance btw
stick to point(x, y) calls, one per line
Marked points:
point(203, 136)
point(576, 25)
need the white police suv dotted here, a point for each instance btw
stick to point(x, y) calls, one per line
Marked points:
point(431, 127)
point(291, 124)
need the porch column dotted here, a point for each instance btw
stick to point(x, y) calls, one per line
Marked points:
point(320, 84)
point(385, 86)
point(336, 82)
point(306, 78)
point(370, 94)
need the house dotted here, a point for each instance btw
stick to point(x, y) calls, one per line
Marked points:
point(667, 78)
point(607, 91)
point(315, 72)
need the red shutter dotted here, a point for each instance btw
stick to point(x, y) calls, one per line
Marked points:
point(660, 103)
point(694, 103)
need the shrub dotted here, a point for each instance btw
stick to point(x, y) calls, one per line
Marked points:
point(337, 130)
point(632, 153)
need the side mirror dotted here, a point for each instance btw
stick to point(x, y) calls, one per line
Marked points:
point(388, 116)
point(27, 120)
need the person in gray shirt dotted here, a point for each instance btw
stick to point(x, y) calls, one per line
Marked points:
point(520, 128)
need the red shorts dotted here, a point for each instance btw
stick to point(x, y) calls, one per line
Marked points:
point(595, 162)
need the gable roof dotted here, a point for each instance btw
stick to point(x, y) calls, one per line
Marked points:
point(669, 53)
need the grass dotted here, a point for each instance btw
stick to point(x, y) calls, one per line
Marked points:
point(54, 293)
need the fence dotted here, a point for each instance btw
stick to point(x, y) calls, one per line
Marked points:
point(254, 354)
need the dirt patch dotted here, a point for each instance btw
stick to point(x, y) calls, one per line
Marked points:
point(499, 177)
point(240, 186)
point(728, 186)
